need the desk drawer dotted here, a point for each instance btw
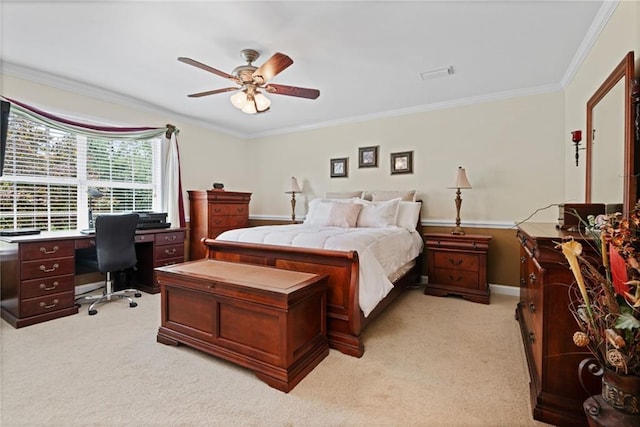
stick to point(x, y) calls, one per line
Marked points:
point(144, 238)
point(46, 286)
point(47, 268)
point(170, 238)
point(47, 250)
point(46, 304)
point(169, 251)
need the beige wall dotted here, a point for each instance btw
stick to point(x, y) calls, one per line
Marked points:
point(512, 150)
point(621, 35)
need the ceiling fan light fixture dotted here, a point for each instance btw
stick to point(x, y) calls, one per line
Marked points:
point(239, 99)
point(262, 102)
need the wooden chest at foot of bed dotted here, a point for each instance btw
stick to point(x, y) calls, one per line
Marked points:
point(269, 320)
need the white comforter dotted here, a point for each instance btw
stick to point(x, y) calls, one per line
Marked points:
point(381, 251)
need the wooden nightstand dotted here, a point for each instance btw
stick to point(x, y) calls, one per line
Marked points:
point(457, 264)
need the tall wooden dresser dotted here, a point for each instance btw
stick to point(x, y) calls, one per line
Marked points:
point(213, 211)
point(547, 327)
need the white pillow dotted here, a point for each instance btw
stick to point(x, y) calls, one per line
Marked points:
point(343, 215)
point(381, 196)
point(378, 214)
point(319, 212)
point(344, 195)
point(408, 215)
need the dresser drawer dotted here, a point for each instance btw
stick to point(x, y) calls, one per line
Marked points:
point(231, 221)
point(46, 286)
point(169, 238)
point(46, 304)
point(455, 260)
point(169, 251)
point(229, 209)
point(47, 250)
point(458, 278)
point(47, 268)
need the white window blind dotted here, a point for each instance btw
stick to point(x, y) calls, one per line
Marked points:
point(47, 173)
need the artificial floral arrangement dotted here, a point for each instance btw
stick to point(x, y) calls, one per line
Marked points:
point(605, 301)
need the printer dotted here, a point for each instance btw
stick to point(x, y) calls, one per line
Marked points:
point(150, 220)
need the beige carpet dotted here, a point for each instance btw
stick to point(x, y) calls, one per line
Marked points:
point(429, 361)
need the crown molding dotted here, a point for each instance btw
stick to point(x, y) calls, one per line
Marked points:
point(415, 110)
point(599, 22)
point(102, 94)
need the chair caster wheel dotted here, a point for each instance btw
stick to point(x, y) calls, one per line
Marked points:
point(137, 295)
point(133, 304)
point(92, 312)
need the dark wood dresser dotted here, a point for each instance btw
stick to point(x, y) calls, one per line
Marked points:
point(213, 211)
point(547, 327)
point(457, 264)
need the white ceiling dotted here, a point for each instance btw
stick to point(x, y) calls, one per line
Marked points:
point(365, 57)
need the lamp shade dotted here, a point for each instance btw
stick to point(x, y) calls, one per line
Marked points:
point(461, 180)
point(293, 186)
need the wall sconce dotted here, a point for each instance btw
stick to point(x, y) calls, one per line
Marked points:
point(293, 189)
point(460, 182)
point(93, 193)
point(576, 137)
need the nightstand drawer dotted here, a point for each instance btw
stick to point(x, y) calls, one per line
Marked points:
point(455, 260)
point(461, 278)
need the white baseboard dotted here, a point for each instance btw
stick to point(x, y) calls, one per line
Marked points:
point(505, 290)
point(496, 289)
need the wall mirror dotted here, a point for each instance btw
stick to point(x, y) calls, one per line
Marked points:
point(610, 162)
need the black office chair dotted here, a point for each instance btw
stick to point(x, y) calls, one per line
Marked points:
point(115, 251)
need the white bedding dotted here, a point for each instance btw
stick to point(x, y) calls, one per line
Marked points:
point(381, 251)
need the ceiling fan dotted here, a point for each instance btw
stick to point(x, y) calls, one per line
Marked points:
point(252, 80)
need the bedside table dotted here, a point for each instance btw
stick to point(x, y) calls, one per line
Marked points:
point(457, 264)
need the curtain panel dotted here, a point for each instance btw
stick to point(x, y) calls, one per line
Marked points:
point(171, 185)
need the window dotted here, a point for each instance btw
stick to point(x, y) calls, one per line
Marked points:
point(48, 171)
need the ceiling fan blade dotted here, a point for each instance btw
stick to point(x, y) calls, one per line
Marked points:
point(207, 68)
point(212, 92)
point(300, 92)
point(274, 65)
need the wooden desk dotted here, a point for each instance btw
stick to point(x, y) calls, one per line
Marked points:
point(37, 272)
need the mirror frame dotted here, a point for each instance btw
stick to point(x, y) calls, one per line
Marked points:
point(624, 70)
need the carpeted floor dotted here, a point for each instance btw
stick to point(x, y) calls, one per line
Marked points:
point(428, 361)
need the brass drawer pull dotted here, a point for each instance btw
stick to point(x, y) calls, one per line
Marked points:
point(170, 252)
point(532, 337)
point(532, 307)
point(523, 282)
point(43, 305)
point(54, 267)
point(52, 251)
point(522, 260)
point(453, 278)
point(532, 278)
point(455, 262)
point(170, 238)
point(45, 288)
point(475, 246)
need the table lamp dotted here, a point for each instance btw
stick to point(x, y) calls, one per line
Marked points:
point(293, 189)
point(93, 193)
point(460, 182)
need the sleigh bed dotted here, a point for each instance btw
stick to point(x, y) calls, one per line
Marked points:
point(345, 251)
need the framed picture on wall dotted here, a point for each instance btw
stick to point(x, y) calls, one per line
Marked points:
point(339, 167)
point(368, 157)
point(402, 162)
